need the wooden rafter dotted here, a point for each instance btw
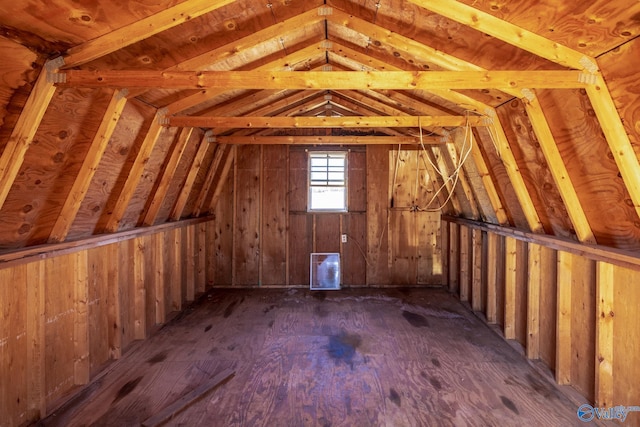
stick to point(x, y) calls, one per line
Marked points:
point(454, 157)
point(167, 176)
point(485, 176)
point(140, 30)
point(302, 56)
point(505, 31)
point(224, 173)
point(135, 174)
point(325, 122)
point(559, 172)
point(617, 138)
point(328, 140)
point(89, 167)
point(25, 130)
point(221, 149)
point(196, 165)
point(401, 80)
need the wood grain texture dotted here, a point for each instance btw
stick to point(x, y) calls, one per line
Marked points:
point(111, 174)
point(374, 357)
point(592, 169)
point(16, 71)
point(593, 28)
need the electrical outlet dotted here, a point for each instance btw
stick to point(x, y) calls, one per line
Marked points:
point(344, 238)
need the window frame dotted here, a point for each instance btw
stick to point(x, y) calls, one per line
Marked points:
point(344, 186)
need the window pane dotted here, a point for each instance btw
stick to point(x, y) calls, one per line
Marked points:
point(329, 198)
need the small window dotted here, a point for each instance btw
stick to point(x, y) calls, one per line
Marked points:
point(328, 181)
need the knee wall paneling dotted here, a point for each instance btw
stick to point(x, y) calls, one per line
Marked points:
point(64, 314)
point(574, 307)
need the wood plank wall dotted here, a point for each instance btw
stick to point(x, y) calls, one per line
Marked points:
point(64, 315)
point(571, 306)
point(264, 233)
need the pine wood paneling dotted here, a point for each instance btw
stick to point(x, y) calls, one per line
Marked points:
point(274, 215)
point(377, 214)
point(247, 227)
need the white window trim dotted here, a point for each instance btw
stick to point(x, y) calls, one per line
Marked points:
point(342, 153)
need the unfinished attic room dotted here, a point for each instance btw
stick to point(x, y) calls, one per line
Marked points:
point(319, 213)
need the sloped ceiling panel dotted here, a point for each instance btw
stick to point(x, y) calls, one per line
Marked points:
point(345, 35)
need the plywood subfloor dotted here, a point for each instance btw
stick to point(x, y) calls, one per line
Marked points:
point(413, 357)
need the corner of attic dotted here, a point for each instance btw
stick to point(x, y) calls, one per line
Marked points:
point(152, 152)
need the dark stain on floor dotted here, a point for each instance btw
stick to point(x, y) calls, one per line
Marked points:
point(319, 295)
point(436, 362)
point(320, 311)
point(208, 328)
point(415, 320)
point(229, 310)
point(160, 357)
point(126, 389)
point(268, 309)
point(395, 397)
point(509, 404)
point(342, 347)
point(435, 383)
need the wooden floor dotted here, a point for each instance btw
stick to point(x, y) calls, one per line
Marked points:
point(413, 357)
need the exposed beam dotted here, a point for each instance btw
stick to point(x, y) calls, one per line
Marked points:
point(140, 30)
point(402, 80)
point(135, 174)
point(25, 130)
point(328, 140)
point(248, 45)
point(167, 176)
point(617, 138)
point(222, 179)
point(89, 167)
point(221, 149)
point(507, 32)
point(196, 165)
point(513, 171)
point(298, 58)
point(559, 172)
point(324, 122)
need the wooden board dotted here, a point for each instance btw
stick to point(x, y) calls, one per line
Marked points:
point(50, 166)
point(303, 357)
point(274, 215)
point(247, 240)
point(572, 125)
point(377, 214)
point(224, 225)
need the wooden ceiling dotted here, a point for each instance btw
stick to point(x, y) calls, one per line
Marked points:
point(122, 114)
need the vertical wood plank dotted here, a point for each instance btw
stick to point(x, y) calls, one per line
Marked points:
point(548, 305)
point(14, 345)
point(36, 339)
point(377, 214)
point(127, 291)
point(533, 301)
point(476, 272)
point(158, 281)
point(140, 291)
point(563, 318)
point(510, 284)
point(175, 263)
point(82, 369)
point(201, 269)
point(247, 231)
point(190, 262)
point(445, 236)
point(220, 150)
point(465, 263)
point(114, 310)
point(493, 263)
point(274, 215)
point(454, 257)
point(211, 254)
point(604, 335)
